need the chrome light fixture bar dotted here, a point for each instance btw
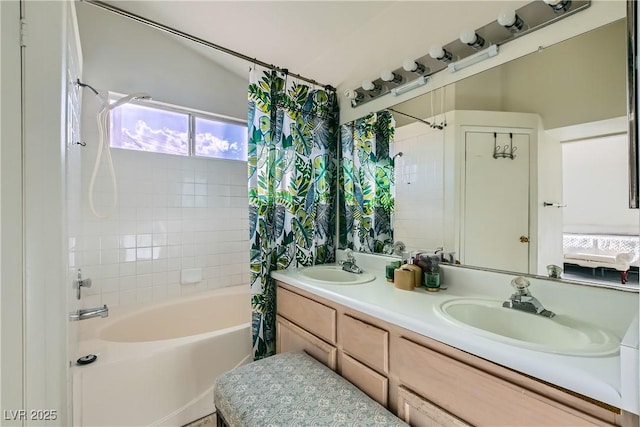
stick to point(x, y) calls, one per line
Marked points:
point(528, 18)
point(489, 52)
point(420, 81)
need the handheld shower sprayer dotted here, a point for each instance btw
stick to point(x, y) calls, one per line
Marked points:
point(102, 119)
point(393, 159)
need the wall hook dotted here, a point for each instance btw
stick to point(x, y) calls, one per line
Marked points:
point(508, 151)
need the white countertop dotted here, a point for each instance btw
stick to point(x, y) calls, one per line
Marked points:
point(597, 377)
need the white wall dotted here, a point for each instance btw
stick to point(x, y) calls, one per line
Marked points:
point(43, 161)
point(550, 219)
point(174, 213)
point(124, 56)
point(11, 260)
point(595, 174)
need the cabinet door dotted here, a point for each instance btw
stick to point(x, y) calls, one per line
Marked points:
point(475, 396)
point(419, 412)
point(367, 343)
point(290, 337)
point(372, 383)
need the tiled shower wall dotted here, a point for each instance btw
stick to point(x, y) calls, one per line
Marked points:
point(419, 213)
point(174, 214)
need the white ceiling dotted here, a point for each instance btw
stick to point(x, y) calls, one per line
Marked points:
point(339, 43)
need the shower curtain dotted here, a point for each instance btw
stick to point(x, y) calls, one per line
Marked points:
point(367, 180)
point(293, 135)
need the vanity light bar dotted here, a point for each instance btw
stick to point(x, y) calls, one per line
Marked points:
point(489, 52)
point(535, 15)
point(420, 81)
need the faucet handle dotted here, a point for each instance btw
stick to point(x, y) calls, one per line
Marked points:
point(81, 283)
point(520, 284)
point(349, 254)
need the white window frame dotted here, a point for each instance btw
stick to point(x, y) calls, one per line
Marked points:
point(192, 114)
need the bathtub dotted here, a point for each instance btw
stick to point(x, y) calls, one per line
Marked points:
point(157, 364)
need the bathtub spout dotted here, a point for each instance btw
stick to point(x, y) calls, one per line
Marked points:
point(88, 313)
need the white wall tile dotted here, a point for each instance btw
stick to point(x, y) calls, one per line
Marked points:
point(173, 213)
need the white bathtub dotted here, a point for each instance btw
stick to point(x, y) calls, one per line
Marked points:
point(157, 364)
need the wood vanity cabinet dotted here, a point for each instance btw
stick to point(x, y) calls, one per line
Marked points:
point(304, 324)
point(423, 381)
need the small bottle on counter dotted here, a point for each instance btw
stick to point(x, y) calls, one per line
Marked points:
point(432, 278)
point(390, 270)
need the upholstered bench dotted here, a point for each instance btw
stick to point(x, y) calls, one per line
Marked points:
point(293, 389)
point(597, 250)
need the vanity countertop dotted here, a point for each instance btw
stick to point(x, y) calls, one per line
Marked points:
point(600, 378)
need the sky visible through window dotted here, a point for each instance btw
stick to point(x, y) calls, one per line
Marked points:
point(220, 139)
point(136, 127)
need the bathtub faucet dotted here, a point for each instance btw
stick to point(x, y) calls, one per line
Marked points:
point(88, 313)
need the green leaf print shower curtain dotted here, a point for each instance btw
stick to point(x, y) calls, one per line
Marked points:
point(367, 180)
point(293, 135)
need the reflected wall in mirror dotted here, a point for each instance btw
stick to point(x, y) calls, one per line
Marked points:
point(561, 199)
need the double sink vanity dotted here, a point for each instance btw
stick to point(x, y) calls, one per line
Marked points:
point(457, 356)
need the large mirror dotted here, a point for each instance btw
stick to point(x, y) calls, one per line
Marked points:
point(524, 165)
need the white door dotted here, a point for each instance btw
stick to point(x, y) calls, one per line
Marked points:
point(495, 217)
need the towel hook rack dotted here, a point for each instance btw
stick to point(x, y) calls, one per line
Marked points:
point(507, 151)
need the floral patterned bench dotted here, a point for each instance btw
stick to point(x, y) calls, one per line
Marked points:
point(293, 389)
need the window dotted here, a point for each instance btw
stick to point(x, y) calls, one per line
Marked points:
point(214, 138)
point(158, 128)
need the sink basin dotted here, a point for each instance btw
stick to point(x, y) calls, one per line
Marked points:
point(561, 334)
point(333, 274)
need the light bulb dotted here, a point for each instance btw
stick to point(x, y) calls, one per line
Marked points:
point(472, 39)
point(353, 95)
point(468, 37)
point(559, 6)
point(436, 52)
point(441, 54)
point(390, 76)
point(368, 85)
point(371, 86)
point(510, 20)
point(507, 17)
point(413, 66)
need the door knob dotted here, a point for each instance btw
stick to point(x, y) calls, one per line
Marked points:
point(524, 239)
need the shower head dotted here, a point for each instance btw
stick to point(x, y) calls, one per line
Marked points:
point(393, 159)
point(126, 99)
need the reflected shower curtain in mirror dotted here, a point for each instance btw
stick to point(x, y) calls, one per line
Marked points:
point(367, 180)
point(293, 138)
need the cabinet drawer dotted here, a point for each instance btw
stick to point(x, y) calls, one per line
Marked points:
point(367, 343)
point(372, 383)
point(475, 396)
point(418, 412)
point(290, 337)
point(310, 315)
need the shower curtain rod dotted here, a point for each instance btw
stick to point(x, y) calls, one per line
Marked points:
point(413, 117)
point(187, 36)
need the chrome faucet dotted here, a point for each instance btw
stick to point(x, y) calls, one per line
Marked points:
point(522, 299)
point(350, 263)
point(88, 313)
